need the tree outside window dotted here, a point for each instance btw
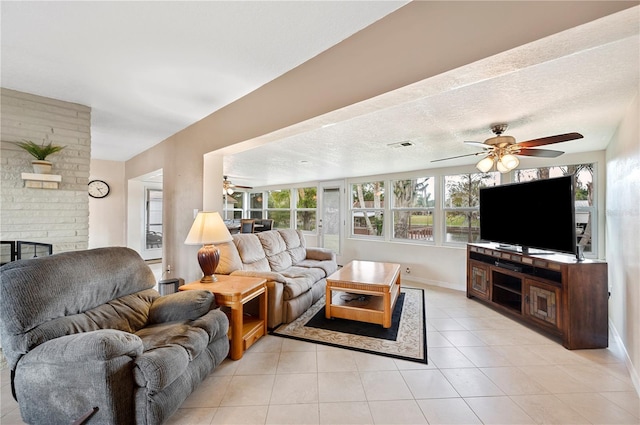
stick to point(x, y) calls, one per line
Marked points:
point(306, 205)
point(413, 206)
point(461, 205)
point(367, 212)
point(279, 208)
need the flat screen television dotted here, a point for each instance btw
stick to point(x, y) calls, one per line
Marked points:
point(538, 214)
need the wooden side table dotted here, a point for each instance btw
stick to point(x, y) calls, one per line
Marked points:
point(234, 292)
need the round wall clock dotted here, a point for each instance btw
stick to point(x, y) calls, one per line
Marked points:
point(98, 189)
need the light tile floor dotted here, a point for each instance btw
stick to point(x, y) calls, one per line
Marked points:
point(483, 368)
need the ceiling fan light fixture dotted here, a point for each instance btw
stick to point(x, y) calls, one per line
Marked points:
point(509, 161)
point(501, 167)
point(485, 164)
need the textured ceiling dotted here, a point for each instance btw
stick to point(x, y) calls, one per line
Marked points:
point(150, 69)
point(581, 80)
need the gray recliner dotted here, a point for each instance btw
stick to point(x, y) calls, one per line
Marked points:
point(86, 329)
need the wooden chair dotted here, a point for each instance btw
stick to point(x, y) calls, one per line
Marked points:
point(267, 224)
point(247, 225)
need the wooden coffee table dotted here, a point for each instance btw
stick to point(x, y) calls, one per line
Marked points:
point(380, 281)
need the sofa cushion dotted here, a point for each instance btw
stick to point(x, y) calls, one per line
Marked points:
point(157, 368)
point(251, 252)
point(328, 266)
point(300, 280)
point(183, 305)
point(295, 244)
point(275, 250)
point(230, 260)
point(192, 340)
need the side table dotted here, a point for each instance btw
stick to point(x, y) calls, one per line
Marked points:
point(234, 292)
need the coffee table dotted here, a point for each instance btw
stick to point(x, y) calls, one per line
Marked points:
point(379, 282)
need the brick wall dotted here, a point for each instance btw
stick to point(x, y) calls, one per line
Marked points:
point(56, 216)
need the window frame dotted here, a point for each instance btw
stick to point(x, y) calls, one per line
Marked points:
point(393, 209)
point(382, 210)
point(495, 177)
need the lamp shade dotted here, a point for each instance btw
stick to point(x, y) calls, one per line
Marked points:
point(208, 228)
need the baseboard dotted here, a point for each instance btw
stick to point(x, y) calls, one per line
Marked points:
point(633, 373)
point(428, 282)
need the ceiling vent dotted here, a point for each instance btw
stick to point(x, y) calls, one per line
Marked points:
point(404, 144)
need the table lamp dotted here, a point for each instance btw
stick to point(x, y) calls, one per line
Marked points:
point(207, 230)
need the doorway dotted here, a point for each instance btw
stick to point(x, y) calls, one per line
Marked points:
point(144, 215)
point(331, 228)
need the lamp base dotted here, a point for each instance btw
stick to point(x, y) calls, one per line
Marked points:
point(208, 258)
point(209, 279)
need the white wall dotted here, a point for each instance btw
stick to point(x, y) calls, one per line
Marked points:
point(623, 236)
point(107, 219)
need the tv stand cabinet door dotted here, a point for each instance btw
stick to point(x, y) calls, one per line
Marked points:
point(478, 280)
point(543, 304)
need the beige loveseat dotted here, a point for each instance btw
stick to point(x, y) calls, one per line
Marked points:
point(296, 275)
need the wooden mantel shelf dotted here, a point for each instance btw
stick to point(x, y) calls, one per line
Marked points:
point(41, 181)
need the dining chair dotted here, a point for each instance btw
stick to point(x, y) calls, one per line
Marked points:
point(267, 224)
point(247, 225)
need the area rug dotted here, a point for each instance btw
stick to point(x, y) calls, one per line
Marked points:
point(406, 339)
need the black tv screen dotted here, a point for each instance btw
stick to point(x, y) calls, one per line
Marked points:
point(537, 214)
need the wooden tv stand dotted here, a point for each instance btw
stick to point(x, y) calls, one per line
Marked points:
point(555, 293)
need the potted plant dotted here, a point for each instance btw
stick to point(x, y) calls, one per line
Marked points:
point(40, 153)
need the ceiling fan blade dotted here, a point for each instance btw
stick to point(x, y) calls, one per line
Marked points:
point(541, 153)
point(549, 140)
point(459, 156)
point(478, 144)
point(241, 187)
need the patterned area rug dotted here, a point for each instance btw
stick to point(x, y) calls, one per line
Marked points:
point(406, 339)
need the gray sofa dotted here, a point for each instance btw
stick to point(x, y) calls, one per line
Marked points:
point(86, 329)
point(296, 275)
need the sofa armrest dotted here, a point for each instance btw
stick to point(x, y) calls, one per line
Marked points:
point(320, 254)
point(272, 276)
point(104, 344)
point(64, 377)
point(183, 305)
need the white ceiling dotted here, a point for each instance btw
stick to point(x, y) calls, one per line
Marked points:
point(149, 69)
point(146, 77)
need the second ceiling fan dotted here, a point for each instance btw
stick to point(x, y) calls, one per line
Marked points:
point(227, 186)
point(501, 150)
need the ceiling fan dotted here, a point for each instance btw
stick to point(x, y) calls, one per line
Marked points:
point(502, 150)
point(227, 186)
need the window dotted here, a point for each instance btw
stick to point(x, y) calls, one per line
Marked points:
point(461, 205)
point(279, 208)
point(306, 205)
point(153, 219)
point(586, 225)
point(412, 209)
point(233, 206)
point(367, 209)
point(255, 204)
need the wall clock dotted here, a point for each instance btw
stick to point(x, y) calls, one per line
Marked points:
point(98, 189)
